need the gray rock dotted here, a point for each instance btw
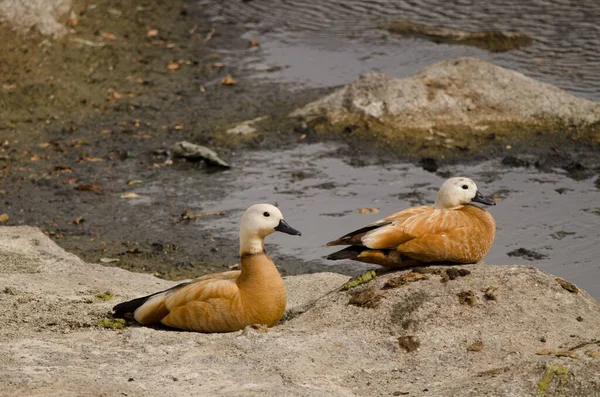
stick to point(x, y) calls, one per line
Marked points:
point(465, 91)
point(42, 15)
point(536, 338)
point(193, 152)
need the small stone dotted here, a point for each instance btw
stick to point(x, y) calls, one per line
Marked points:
point(489, 293)
point(453, 273)
point(409, 343)
point(367, 298)
point(10, 291)
point(467, 298)
point(476, 347)
point(592, 353)
point(567, 285)
point(404, 279)
point(579, 318)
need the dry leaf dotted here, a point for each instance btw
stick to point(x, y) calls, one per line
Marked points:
point(234, 266)
point(34, 158)
point(108, 36)
point(129, 195)
point(187, 215)
point(567, 354)
point(152, 33)
point(116, 95)
point(173, 66)
point(45, 145)
point(544, 351)
point(179, 127)
point(218, 65)
point(254, 43)
point(73, 21)
point(4, 218)
point(94, 159)
point(78, 220)
point(106, 132)
point(134, 182)
point(228, 80)
point(368, 210)
point(89, 188)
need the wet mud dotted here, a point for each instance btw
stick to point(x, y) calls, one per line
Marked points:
point(86, 123)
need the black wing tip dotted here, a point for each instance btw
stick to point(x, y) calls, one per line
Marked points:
point(124, 308)
point(347, 253)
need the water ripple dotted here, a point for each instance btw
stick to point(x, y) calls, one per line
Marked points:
point(564, 53)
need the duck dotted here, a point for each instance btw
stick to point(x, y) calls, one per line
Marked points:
point(228, 301)
point(453, 230)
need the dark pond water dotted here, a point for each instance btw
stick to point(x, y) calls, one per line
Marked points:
point(331, 42)
point(550, 214)
point(306, 44)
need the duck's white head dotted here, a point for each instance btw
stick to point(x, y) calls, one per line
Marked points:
point(460, 191)
point(258, 222)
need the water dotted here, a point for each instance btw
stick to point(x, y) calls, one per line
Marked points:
point(331, 42)
point(320, 194)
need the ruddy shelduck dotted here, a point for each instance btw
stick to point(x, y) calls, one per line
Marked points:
point(229, 301)
point(453, 230)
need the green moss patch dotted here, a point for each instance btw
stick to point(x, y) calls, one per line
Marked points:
point(554, 379)
point(111, 323)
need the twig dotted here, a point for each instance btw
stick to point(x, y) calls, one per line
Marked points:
point(584, 344)
point(209, 35)
point(187, 216)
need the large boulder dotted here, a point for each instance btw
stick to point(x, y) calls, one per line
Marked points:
point(465, 91)
point(453, 109)
point(471, 331)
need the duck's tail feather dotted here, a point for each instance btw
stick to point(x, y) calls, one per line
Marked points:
point(124, 308)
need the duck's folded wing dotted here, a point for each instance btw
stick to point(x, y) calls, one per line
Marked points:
point(385, 233)
point(202, 289)
point(445, 245)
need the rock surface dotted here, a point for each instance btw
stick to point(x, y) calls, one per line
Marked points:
point(464, 91)
point(437, 333)
point(41, 15)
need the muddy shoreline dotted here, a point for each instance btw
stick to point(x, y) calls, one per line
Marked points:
point(83, 117)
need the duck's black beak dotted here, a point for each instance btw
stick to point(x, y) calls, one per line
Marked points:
point(283, 227)
point(480, 198)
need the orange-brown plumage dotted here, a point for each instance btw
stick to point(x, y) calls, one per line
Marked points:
point(453, 230)
point(229, 301)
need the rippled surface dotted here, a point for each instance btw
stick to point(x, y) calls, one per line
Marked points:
point(320, 194)
point(331, 42)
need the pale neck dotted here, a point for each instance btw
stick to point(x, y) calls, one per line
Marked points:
point(251, 243)
point(446, 206)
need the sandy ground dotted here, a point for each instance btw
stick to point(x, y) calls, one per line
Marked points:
point(424, 338)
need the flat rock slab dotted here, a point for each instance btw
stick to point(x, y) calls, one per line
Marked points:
point(464, 91)
point(521, 332)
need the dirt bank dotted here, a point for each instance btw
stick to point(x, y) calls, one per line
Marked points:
point(85, 115)
point(468, 330)
point(86, 119)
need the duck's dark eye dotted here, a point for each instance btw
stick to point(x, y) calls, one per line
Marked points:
point(266, 214)
point(465, 187)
